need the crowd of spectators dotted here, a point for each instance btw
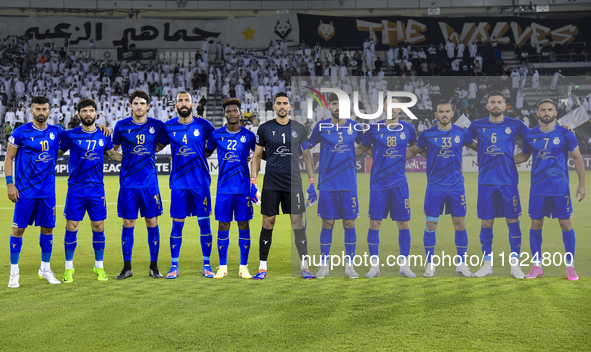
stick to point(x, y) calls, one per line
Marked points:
point(220, 71)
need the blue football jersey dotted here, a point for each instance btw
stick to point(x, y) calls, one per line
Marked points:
point(549, 172)
point(338, 167)
point(496, 149)
point(188, 143)
point(87, 155)
point(444, 155)
point(138, 143)
point(388, 170)
point(233, 151)
point(34, 175)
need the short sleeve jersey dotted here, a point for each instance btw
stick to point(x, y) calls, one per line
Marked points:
point(34, 175)
point(139, 143)
point(233, 151)
point(337, 168)
point(389, 143)
point(283, 144)
point(87, 155)
point(444, 155)
point(496, 149)
point(549, 172)
point(188, 143)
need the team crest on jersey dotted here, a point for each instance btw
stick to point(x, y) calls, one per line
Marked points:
point(101, 143)
point(51, 136)
point(294, 134)
point(403, 136)
point(152, 130)
point(556, 140)
point(457, 139)
point(508, 130)
point(196, 133)
point(243, 139)
point(350, 131)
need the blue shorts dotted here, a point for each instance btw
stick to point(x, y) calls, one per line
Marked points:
point(29, 210)
point(500, 201)
point(392, 201)
point(188, 202)
point(82, 200)
point(335, 205)
point(147, 200)
point(229, 206)
point(451, 200)
point(558, 207)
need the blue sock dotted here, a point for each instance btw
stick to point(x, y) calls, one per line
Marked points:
point(70, 244)
point(244, 243)
point(176, 240)
point(373, 242)
point(325, 243)
point(16, 243)
point(127, 242)
point(515, 237)
point(350, 243)
point(154, 242)
point(98, 244)
point(404, 242)
point(486, 239)
point(46, 244)
point(568, 237)
point(206, 239)
point(429, 241)
point(535, 244)
point(223, 244)
point(461, 243)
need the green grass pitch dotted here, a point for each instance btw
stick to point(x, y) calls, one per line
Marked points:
point(285, 312)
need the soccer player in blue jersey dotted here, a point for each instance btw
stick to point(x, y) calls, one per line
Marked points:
point(283, 141)
point(337, 182)
point(550, 195)
point(388, 140)
point(443, 144)
point(234, 144)
point(189, 181)
point(33, 146)
point(498, 195)
point(139, 136)
point(86, 191)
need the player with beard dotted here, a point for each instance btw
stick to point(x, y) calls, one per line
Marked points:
point(550, 195)
point(283, 140)
point(139, 136)
point(189, 181)
point(443, 144)
point(337, 182)
point(498, 194)
point(387, 141)
point(86, 190)
point(34, 145)
point(234, 144)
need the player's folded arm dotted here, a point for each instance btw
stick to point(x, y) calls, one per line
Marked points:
point(113, 155)
point(521, 157)
point(413, 151)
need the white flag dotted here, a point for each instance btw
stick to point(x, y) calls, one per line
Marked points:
point(574, 118)
point(463, 121)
